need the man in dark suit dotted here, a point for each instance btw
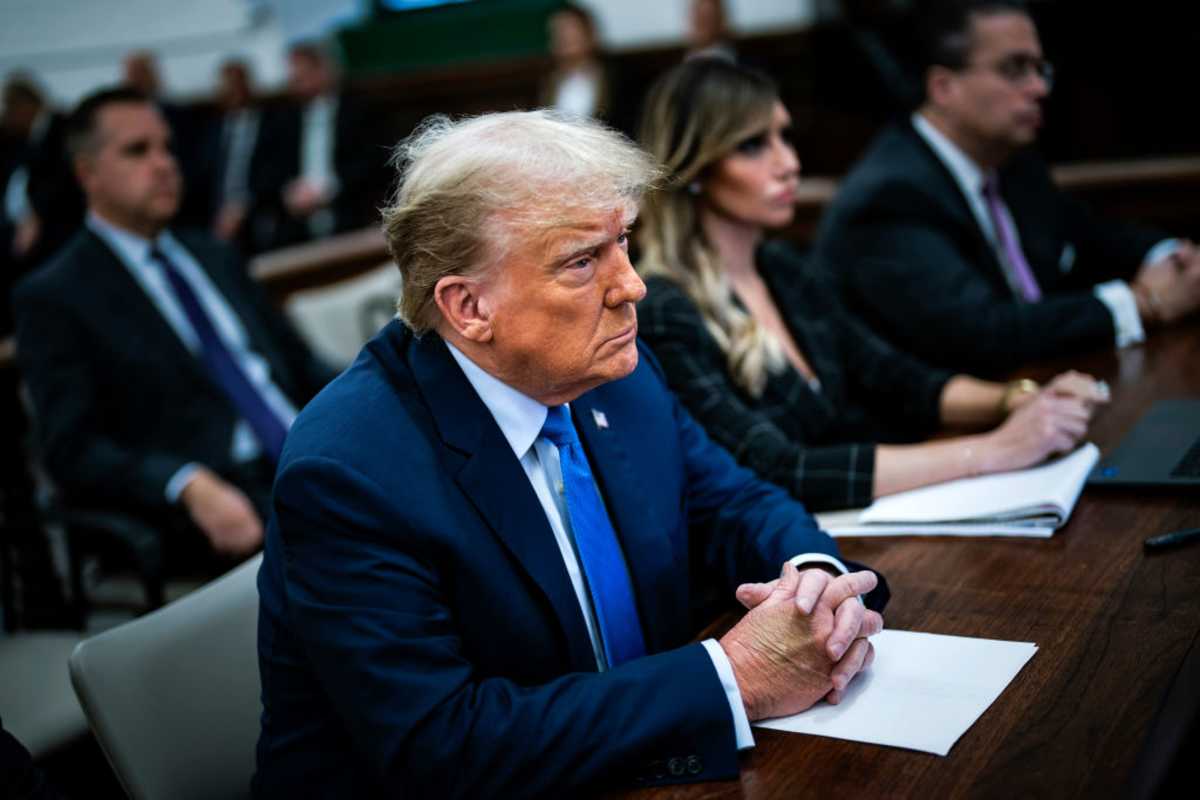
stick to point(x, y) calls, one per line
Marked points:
point(312, 167)
point(41, 205)
point(227, 146)
point(489, 534)
point(951, 238)
point(162, 379)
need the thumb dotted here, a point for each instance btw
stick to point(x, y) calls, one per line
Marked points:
point(751, 594)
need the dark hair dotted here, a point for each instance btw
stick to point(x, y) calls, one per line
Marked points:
point(21, 88)
point(81, 125)
point(580, 13)
point(944, 30)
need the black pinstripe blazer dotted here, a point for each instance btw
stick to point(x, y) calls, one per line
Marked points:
point(820, 445)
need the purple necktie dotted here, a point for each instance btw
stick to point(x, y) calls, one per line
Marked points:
point(223, 370)
point(1026, 283)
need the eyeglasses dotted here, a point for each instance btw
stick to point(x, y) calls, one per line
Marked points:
point(1018, 69)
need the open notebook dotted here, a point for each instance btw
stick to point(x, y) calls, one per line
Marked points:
point(1027, 502)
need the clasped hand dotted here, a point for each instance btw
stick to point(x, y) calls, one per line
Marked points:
point(803, 639)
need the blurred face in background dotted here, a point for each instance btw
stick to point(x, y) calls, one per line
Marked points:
point(21, 109)
point(706, 22)
point(571, 38)
point(233, 86)
point(129, 172)
point(755, 185)
point(994, 102)
point(309, 75)
point(141, 73)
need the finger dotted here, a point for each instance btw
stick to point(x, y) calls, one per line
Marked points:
point(872, 624)
point(870, 659)
point(1074, 428)
point(751, 594)
point(812, 584)
point(785, 586)
point(834, 697)
point(847, 620)
point(844, 587)
point(850, 665)
point(1076, 409)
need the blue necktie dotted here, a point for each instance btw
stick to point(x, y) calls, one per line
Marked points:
point(596, 543)
point(223, 369)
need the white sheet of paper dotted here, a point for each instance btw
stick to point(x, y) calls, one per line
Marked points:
point(922, 693)
point(845, 523)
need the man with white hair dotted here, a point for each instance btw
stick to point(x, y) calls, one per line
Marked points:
point(489, 533)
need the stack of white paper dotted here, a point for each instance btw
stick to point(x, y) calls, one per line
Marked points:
point(1028, 502)
point(923, 692)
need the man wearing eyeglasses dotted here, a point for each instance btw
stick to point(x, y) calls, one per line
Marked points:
point(951, 238)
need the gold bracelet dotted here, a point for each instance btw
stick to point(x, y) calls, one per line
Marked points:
point(1014, 388)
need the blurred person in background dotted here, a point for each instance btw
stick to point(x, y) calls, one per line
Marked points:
point(230, 147)
point(950, 238)
point(40, 203)
point(578, 83)
point(708, 31)
point(140, 71)
point(311, 171)
point(163, 380)
point(756, 344)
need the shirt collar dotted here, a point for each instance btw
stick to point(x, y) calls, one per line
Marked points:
point(133, 248)
point(965, 171)
point(519, 416)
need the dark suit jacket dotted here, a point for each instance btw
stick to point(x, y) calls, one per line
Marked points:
point(912, 260)
point(358, 160)
point(121, 403)
point(818, 445)
point(418, 633)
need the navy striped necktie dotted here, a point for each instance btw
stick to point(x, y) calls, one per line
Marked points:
point(222, 368)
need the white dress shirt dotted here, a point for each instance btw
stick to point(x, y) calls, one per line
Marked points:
point(318, 136)
point(239, 132)
point(133, 252)
point(1117, 296)
point(520, 419)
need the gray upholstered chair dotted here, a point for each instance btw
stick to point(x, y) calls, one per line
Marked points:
point(173, 697)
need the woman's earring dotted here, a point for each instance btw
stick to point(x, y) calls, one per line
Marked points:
point(694, 187)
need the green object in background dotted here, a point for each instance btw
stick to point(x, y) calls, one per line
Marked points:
point(484, 30)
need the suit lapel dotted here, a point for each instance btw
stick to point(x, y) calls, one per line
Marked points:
point(492, 478)
point(960, 208)
point(642, 534)
point(135, 310)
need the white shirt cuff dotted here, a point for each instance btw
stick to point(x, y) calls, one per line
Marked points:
point(1161, 250)
point(1123, 306)
point(817, 558)
point(741, 723)
point(179, 480)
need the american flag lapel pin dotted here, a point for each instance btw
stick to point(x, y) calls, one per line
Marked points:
point(601, 420)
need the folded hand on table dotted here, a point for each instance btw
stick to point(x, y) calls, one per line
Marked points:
point(804, 638)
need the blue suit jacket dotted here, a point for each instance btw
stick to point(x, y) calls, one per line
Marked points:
point(419, 635)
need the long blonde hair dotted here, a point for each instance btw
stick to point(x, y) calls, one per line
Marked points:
point(695, 115)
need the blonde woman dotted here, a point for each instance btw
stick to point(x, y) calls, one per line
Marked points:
point(759, 348)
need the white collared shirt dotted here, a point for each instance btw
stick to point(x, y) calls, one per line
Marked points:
point(239, 132)
point(520, 419)
point(1116, 295)
point(133, 252)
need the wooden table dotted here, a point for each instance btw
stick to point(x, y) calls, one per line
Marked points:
point(1118, 632)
